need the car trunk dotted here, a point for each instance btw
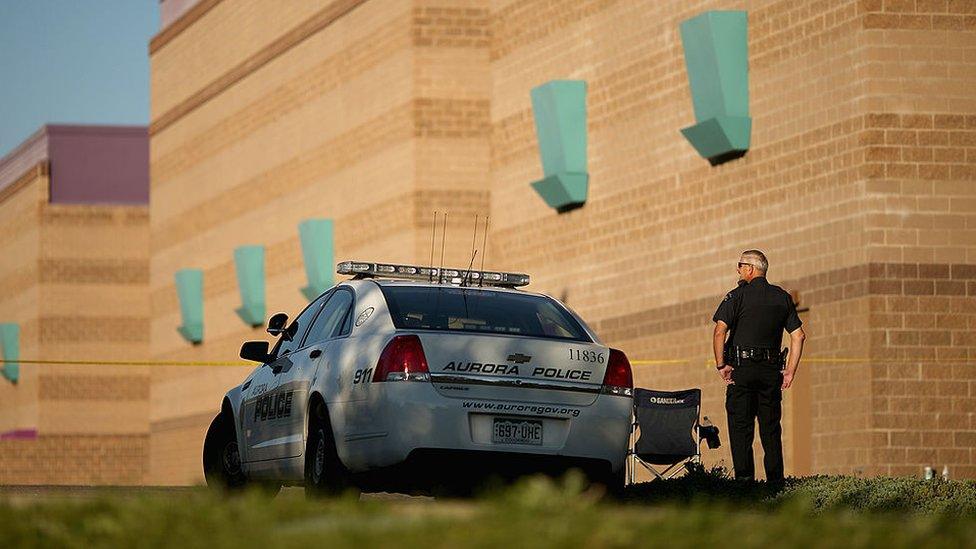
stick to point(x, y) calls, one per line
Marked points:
point(515, 368)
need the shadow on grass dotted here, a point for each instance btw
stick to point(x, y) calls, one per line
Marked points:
point(818, 493)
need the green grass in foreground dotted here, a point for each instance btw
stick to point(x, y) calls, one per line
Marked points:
point(697, 511)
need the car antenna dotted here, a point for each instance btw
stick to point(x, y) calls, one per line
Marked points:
point(484, 252)
point(440, 270)
point(433, 232)
point(467, 275)
point(474, 252)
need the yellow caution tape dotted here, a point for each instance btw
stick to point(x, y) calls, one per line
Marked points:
point(129, 363)
point(650, 362)
point(660, 361)
point(709, 363)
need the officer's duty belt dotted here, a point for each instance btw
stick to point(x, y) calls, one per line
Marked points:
point(757, 353)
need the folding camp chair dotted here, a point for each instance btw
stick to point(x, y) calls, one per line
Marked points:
point(670, 432)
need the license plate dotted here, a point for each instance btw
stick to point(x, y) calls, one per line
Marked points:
point(516, 431)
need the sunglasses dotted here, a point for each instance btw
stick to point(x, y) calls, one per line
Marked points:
point(741, 265)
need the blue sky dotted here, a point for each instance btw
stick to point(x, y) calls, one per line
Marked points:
point(73, 61)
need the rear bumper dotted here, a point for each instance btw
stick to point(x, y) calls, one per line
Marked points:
point(411, 420)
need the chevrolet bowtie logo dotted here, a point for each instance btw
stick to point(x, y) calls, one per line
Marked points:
point(519, 358)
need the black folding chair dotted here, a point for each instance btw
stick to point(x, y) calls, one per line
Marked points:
point(670, 432)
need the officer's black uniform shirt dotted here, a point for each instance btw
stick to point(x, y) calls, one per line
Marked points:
point(758, 312)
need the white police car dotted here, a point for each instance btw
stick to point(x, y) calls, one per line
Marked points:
point(394, 381)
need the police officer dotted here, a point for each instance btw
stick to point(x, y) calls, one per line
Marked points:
point(749, 326)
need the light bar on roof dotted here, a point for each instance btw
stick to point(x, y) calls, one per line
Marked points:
point(432, 274)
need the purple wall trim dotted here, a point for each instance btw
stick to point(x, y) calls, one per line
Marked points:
point(99, 164)
point(88, 164)
point(171, 10)
point(19, 434)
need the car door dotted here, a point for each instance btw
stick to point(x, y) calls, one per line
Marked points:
point(256, 431)
point(263, 413)
point(294, 378)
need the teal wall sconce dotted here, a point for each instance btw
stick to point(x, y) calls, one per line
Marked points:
point(717, 59)
point(189, 289)
point(249, 261)
point(559, 108)
point(10, 342)
point(318, 253)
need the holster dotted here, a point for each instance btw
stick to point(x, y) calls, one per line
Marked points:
point(729, 355)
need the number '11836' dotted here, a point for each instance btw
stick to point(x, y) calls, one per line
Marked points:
point(586, 355)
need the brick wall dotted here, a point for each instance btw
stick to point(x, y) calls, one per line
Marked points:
point(924, 413)
point(76, 459)
point(861, 167)
point(78, 291)
point(651, 254)
point(19, 237)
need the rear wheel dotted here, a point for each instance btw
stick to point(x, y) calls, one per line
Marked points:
point(324, 473)
point(222, 457)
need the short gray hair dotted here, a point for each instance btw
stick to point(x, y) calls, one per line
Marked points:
point(760, 258)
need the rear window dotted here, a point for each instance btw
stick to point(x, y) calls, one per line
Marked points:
point(481, 311)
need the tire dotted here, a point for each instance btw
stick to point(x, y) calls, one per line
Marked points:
point(324, 473)
point(221, 456)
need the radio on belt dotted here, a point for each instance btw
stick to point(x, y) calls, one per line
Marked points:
point(363, 269)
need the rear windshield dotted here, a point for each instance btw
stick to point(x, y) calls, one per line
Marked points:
point(476, 310)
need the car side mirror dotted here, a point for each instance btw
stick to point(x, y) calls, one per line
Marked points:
point(276, 324)
point(255, 350)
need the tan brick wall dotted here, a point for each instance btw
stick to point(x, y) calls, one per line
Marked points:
point(339, 109)
point(177, 453)
point(78, 289)
point(75, 459)
point(924, 413)
point(19, 238)
point(862, 161)
point(227, 35)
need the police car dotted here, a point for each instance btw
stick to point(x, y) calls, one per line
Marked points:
point(408, 377)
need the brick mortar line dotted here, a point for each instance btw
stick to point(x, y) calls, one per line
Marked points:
point(276, 48)
point(203, 145)
point(181, 23)
point(32, 173)
point(39, 329)
point(697, 313)
point(290, 248)
point(394, 127)
point(858, 126)
point(185, 421)
point(88, 271)
point(388, 129)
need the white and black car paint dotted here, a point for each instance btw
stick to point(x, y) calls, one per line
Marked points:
point(408, 384)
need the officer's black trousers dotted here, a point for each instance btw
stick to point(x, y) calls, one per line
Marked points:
point(756, 393)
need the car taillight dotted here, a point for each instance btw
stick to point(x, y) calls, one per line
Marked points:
point(619, 380)
point(402, 360)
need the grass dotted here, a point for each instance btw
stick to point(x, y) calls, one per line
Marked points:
point(698, 510)
point(820, 493)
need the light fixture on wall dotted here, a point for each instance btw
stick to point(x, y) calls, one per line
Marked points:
point(559, 108)
point(249, 263)
point(10, 343)
point(717, 60)
point(189, 290)
point(318, 252)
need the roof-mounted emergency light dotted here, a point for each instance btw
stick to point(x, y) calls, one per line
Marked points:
point(362, 269)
